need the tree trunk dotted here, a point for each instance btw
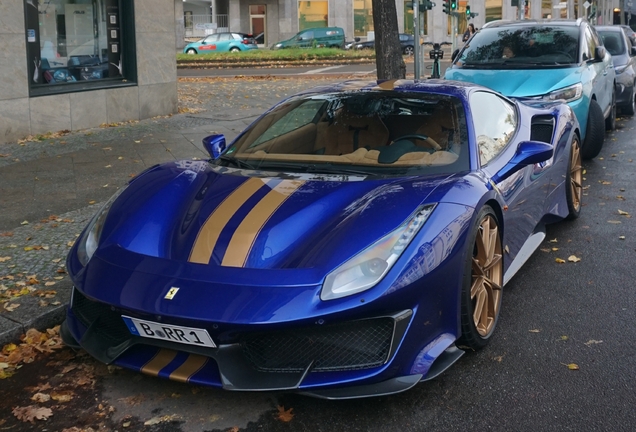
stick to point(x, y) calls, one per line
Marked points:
point(388, 52)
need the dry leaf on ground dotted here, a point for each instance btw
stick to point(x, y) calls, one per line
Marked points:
point(284, 415)
point(31, 413)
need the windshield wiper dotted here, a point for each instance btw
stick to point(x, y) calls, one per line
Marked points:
point(314, 168)
point(236, 162)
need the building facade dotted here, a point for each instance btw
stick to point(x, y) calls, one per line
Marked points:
point(76, 64)
point(281, 19)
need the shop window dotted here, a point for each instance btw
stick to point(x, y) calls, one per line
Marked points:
point(362, 17)
point(408, 19)
point(312, 14)
point(75, 45)
point(494, 10)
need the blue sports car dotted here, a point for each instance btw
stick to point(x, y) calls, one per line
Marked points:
point(347, 244)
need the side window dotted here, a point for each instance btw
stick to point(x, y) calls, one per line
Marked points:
point(297, 118)
point(212, 38)
point(495, 121)
point(307, 35)
point(225, 37)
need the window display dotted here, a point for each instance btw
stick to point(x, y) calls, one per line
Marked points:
point(74, 41)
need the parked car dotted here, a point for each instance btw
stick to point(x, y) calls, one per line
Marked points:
point(320, 37)
point(350, 44)
point(346, 244)
point(545, 60)
point(622, 51)
point(630, 33)
point(407, 42)
point(222, 42)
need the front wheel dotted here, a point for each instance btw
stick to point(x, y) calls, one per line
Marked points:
point(483, 281)
point(191, 51)
point(574, 181)
point(594, 134)
point(630, 109)
point(408, 50)
point(234, 50)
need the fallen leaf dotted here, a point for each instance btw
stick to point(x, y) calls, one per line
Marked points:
point(11, 307)
point(621, 237)
point(571, 366)
point(593, 342)
point(4, 259)
point(564, 338)
point(573, 258)
point(553, 241)
point(41, 397)
point(32, 412)
point(545, 250)
point(51, 283)
point(559, 260)
point(555, 249)
point(534, 331)
point(91, 202)
point(284, 415)
point(65, 396)
point(56, 260)
point(623, 213)
point(614, 222)
point(24, 222)
point(108, 166)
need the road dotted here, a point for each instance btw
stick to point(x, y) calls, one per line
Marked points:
point(553, 315)
point(362, 71)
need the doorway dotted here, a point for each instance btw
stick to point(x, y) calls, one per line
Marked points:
point(258, 23)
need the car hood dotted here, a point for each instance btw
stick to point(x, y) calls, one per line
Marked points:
point(518, 83)
point(195, 212)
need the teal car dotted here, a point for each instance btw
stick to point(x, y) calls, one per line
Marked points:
point(545, 60)
point(222, 42)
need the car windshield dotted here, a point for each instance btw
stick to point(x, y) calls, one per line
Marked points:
point(613, 41)
point(380, 133)
point(521, 47)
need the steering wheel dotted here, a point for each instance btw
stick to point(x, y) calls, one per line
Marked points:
point(430, 141)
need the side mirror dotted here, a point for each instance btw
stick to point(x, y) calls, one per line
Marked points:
point(599, 54)
point(455, 54)
point(633, 51)
point(528, 153)
point(214, 145)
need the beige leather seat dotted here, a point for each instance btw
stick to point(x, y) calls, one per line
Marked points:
point(349, 132)
point(442, 125)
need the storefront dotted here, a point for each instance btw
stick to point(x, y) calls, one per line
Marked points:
point(75, 64)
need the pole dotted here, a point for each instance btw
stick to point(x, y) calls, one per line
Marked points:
point(416, 39)
point(454, 31)
point(522, 9)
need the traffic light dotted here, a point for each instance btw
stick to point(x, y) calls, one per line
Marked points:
point(426, 5)
point(453, 5)
point(468, 16)
point(446, 7)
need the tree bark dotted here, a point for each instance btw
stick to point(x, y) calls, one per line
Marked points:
point(388, 52)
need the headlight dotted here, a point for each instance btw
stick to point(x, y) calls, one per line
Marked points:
point(366, 269)
point(278, 45)
point(358, 46)
point(90, 239)
point(568, 94)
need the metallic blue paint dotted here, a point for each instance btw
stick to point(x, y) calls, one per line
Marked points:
point(152, 226)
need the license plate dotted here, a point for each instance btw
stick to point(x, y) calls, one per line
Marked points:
point(168, 332)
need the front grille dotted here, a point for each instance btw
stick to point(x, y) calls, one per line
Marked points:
point(111, 325)
point(348, 346)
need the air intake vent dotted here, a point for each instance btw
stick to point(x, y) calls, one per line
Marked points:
point(542, 129)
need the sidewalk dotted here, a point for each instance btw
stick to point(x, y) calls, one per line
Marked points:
point(50, 189)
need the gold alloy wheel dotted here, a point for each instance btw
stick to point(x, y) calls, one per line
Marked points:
point(576, 175)
point(487, 277)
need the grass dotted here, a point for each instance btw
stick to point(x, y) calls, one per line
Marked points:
point(283, 54)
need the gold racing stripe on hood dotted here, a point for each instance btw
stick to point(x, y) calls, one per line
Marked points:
point(158, 362)
point(243, 239)
point(193, 364)
point(211, 229)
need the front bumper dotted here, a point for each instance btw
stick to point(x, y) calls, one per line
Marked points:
point(624, 88)
point(314, 361)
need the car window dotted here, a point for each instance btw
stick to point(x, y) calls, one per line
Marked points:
point(494, 126)
point(521, 47)
point(306, 36)
point(614, 42)
point(384, 132)
point(212, 38)
point(237, 36)
point(225, 37)
point(404, 38)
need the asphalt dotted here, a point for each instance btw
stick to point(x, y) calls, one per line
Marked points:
point(50, 186)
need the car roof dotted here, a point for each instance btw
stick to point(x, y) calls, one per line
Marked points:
point(535, 22)
point(610, 28)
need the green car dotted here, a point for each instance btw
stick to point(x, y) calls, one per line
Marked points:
point(320, 37)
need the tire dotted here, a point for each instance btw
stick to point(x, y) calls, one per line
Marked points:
point(408, 50)
point(595, 134)
point(482, 283)
point(610, 121)
point(191, 51)
point(234, 50)
point(630, 109)
point(574, 181)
